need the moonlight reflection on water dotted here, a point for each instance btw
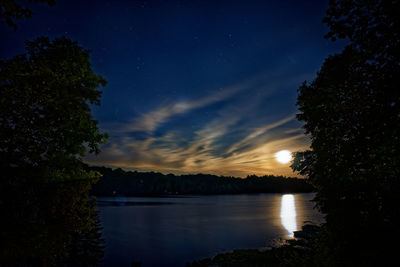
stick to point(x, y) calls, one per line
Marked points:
point(288, 214)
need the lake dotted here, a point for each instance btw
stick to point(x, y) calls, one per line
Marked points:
point(170, 231)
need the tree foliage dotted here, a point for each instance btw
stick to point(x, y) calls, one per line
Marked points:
point(352, 112)
point(53, 224)
point(11, 10)
point(46, 124)
point(46, 127)
point(372, 27)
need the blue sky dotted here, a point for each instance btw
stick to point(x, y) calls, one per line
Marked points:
point(193, 86)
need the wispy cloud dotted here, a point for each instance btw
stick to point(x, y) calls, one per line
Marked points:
point(259, 132)
point(150, 121)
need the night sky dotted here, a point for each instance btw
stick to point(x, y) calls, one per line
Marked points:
point(193, 86)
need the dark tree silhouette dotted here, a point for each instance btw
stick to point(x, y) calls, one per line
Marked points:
point(119, 182)
point(45, 121)
point(352, 112)
point(53, 224)
point(11, 10)
point(45, 128)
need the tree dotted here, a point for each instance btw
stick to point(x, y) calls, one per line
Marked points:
point(352, 112)
point(10, 11)
point(46, 127)
point(46, 124)
point(52, 224)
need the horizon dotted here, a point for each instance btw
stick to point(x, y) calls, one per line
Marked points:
point(177, 173)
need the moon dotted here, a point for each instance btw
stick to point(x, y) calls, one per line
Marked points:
point(283, 156)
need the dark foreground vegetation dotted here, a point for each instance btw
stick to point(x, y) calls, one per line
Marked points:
point(351, 110)
point(49, 224)
point(128, 183)
point(46, 127)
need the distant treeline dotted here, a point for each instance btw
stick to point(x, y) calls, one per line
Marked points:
point(120, 182)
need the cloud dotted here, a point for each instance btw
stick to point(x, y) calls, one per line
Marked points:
point(259, 132)
point(150, 121)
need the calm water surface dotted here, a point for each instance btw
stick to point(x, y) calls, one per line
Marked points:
point(173, 231)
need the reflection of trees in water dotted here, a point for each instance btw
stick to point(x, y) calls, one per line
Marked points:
point(50, 224)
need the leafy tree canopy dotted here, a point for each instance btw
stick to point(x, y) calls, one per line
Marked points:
point(352, 112)
point(373, 27)
point(46, 124)
point(11, 10)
